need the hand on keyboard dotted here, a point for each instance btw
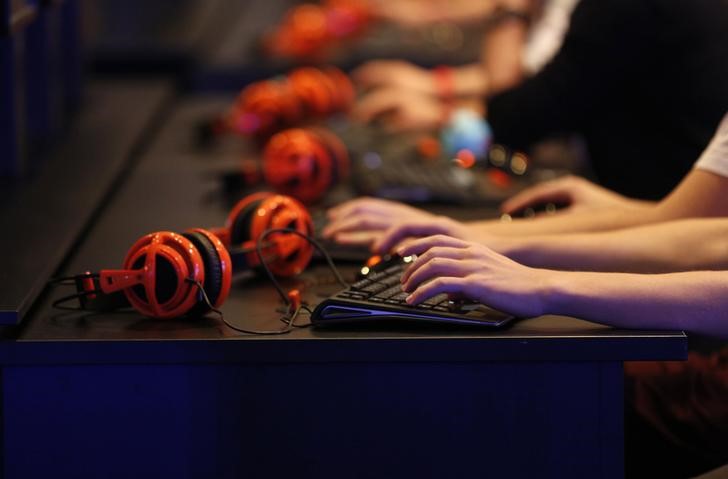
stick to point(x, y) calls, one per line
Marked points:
point(378, 296)
point(472, 270)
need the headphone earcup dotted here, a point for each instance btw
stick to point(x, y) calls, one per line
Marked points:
point(345, 92)
point(298, 164)
point(337, 152)
point(240, 231)
point(157, 275)
point(285, 212)
point(213, 271)
point(165, 280)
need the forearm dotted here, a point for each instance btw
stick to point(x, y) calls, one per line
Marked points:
point(502, 53)
point(470, 80)
point(694, 301)
point(577, 222)
point(700, 194)
point(693, 244)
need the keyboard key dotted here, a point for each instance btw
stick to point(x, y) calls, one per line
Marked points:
point(361, 283)
point(388, 293)
point(391, 280)
point(377, 276)
point(352, 295)
point(374, 288)
point(437, 299)
point(398, 298)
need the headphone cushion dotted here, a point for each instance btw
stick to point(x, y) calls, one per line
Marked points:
point(213, 271)
point(240, 229)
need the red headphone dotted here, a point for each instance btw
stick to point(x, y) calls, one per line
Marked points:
point(263, 107)
point(267, 106)
point(164, 275)
point(305, 163)
point(308, 30)
point(321, 92)
point(168, 275)
point(287, 254)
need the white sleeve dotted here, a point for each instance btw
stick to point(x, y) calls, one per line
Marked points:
point(546, 34)
point(715, 156)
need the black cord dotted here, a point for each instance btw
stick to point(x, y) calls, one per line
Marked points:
point(287, 320)
point(311, 241)
point(303, 307)
point(59, 303)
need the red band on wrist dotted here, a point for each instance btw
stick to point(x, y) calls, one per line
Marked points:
point(444, 77)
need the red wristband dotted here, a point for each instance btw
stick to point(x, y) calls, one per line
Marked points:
point(444, 77)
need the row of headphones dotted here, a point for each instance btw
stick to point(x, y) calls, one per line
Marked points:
point(267, 106)
point(308, 30)
point(167, 275)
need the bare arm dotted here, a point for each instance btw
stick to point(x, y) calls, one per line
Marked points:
point(502, 53)
point(700, 194)
point(693, 301)
point(683, 245)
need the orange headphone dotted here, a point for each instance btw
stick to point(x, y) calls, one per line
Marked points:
point(263, 107)
point(267, 106)
point(321, 92)
point(305, 163)
point(308, 30)
point(286, 254)
point(168, 275)
point(164, 275)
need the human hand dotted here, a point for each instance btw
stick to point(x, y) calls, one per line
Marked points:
point(400, 110)
point(401, 232)
point(364, 220)
point(575, 192)
point(396, 74)
point(471, 270)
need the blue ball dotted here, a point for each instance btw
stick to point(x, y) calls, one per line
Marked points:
point(467, 130)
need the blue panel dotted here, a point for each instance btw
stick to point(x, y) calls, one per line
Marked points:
point(371, 420)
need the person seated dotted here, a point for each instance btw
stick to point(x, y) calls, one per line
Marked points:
point(383, 224)
point(642, 82)
point(520, 37)
point(653, 275)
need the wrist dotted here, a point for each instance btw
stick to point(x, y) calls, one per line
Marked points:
point(470, 81)
point(553, 290)
point(443, 78)
point(515, 248)
point(444, 84)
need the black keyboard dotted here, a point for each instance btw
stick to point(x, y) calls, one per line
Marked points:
point(377, 297)
point(401, 174)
